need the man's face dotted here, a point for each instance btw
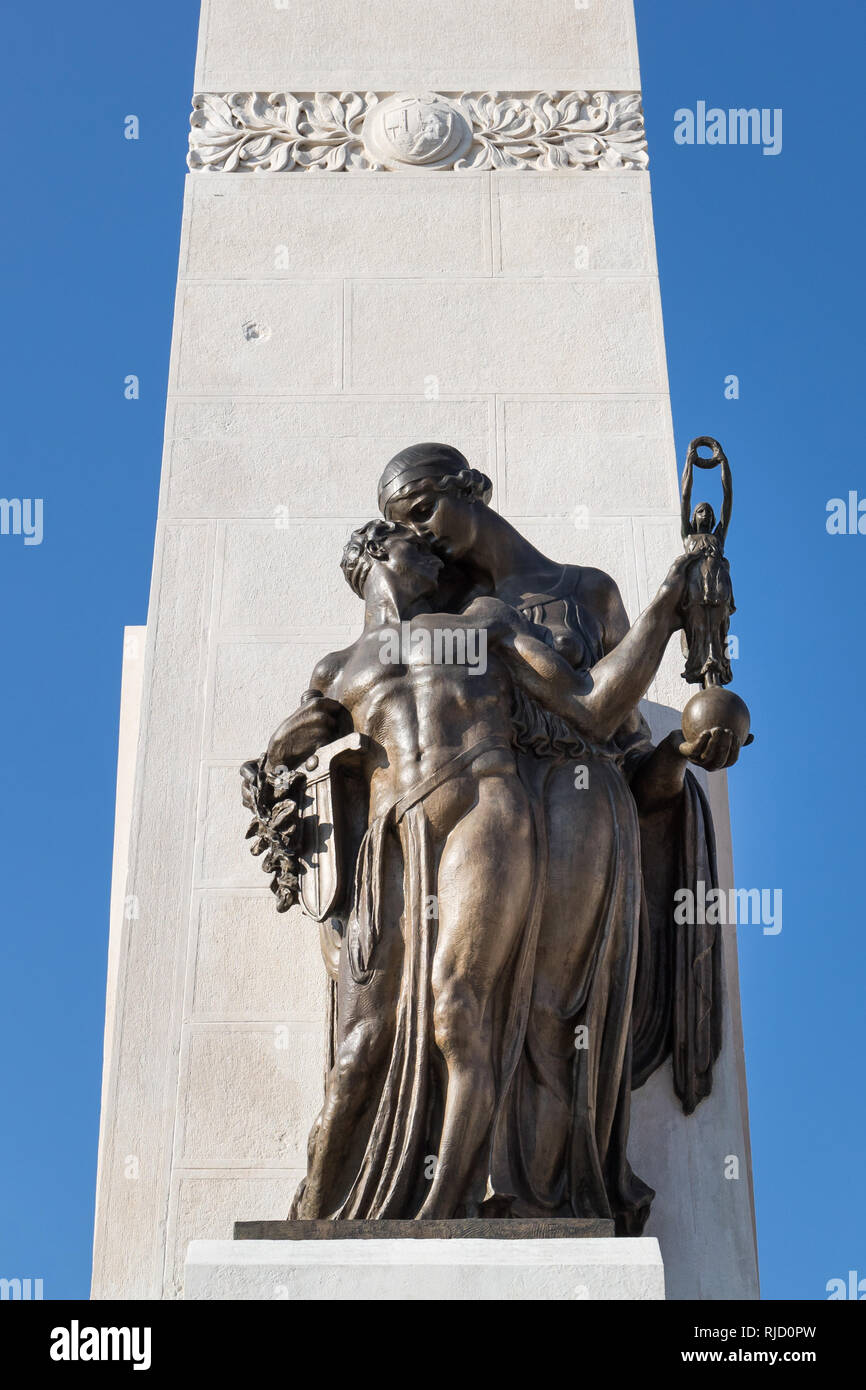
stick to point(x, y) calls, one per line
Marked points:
point(411, 562)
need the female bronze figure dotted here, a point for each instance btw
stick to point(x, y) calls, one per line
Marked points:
point(619, 839)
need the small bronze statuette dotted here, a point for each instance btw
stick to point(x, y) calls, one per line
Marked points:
point(708, 605)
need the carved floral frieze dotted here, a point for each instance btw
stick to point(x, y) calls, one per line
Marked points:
point(258, 132)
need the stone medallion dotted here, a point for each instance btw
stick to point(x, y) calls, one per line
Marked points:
point(423, 131)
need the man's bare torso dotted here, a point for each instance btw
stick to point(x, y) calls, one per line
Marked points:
point(421, 713)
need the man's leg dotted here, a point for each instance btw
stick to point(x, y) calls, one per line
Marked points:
point(484, 889)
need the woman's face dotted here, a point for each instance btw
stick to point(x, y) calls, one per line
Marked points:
point(447, 519)
point(704, 517)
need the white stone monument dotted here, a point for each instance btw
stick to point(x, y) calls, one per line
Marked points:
point(401, 223)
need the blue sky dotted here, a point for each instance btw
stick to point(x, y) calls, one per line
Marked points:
point(761, 278)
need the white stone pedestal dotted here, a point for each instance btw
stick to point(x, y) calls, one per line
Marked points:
point(411, 1270)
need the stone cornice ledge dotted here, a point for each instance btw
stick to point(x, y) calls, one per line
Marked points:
point(258, 132)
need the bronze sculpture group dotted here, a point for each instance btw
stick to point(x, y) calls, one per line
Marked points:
point(469, 803)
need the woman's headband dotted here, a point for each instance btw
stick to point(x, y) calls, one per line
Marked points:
point(417, 462)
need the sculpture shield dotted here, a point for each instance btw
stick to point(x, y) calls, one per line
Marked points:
point(321, 854)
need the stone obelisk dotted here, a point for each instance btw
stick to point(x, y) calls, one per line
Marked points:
point(400, 223)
